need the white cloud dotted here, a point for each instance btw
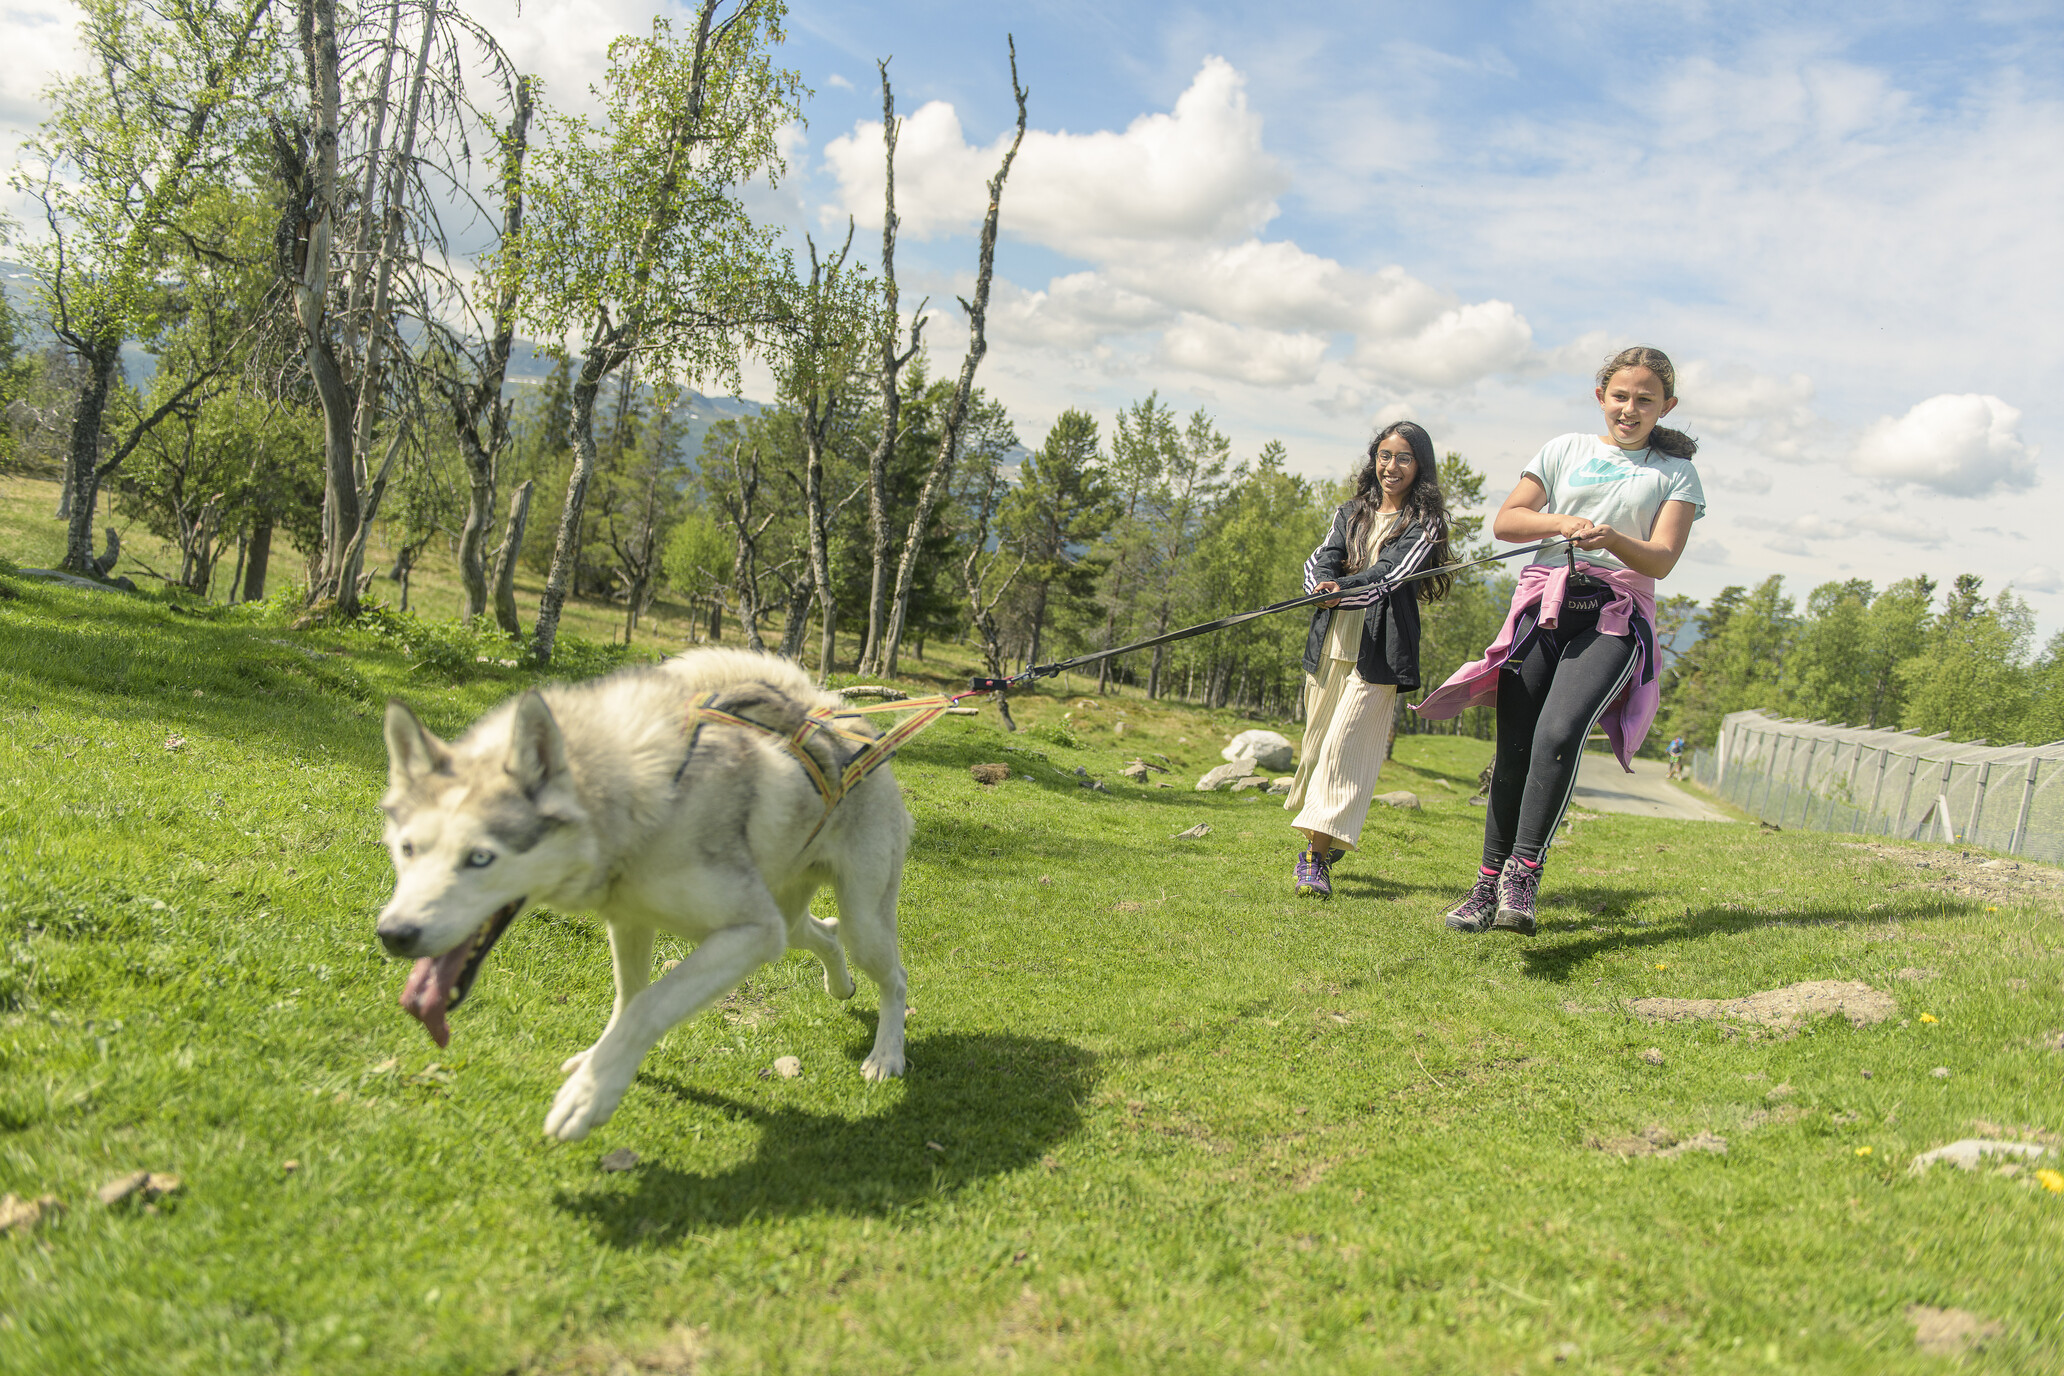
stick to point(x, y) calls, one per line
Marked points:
point(1261, 358)
point(2041, 578)
point(1454, 349)
point(1074, 312)
point(1895, 525)
point(1963, 445)
point(1753, 482)
point(839, 83)
point(1198, 173)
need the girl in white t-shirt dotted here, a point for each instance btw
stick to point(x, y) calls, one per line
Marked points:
point(1578, 645)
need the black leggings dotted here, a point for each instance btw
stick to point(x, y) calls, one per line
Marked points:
point(1549, 698)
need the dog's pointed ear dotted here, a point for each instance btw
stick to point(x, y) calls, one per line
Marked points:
point(412, 752)
point(537, 752)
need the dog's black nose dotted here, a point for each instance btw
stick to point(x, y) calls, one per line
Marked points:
point(400, 939)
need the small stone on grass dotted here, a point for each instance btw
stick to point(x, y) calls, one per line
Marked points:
point(1654, 1055)
point(788, 1067)
point(1949, 1332)
point(622, 1159)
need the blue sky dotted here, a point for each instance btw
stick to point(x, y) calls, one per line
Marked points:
point(1838, 219)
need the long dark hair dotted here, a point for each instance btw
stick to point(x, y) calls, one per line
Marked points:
point(1423, 505)
point(1662, 439)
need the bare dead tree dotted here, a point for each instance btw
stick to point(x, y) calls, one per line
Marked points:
point(978, 574)
point(956, 413)
point(892, 363)
point(479, 413)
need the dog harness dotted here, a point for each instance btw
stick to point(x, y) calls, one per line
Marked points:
point(871, 754)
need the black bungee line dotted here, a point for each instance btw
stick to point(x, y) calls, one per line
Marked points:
point(999, 685)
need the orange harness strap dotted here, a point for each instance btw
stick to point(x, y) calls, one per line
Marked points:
point(872, 754)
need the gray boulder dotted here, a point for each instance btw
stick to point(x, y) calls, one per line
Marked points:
point(1226, 775)
point(1267, 749)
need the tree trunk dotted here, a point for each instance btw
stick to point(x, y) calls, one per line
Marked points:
point(956, 415)
point(605, 354)
point(481, 403)
point(505, 559)
point(82, 462)
point(871, 658)
point(259, 557)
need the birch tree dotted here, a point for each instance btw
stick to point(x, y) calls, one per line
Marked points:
point(115, 168)
point(976, 310)
point(637, 239)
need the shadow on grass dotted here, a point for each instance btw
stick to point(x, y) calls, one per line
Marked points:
point(992, 1103)
point(1565, 944)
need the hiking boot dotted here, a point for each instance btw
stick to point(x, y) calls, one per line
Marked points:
point(1518, 883)
point(1478, 907)
point(1315, 876)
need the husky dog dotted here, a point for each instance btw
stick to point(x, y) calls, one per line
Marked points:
point(602, 796)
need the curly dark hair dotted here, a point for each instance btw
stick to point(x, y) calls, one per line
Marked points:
point(1423, 504)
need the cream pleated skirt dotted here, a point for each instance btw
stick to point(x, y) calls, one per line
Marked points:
point(1346, 729)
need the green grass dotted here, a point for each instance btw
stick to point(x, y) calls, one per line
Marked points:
point(1160, 1116)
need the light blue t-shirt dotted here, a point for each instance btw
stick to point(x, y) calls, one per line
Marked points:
point(1611, 486)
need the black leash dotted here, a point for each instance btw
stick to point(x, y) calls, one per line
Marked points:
point(998, 685)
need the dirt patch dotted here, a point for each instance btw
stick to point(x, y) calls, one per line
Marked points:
point(1779, 1008)
point(1971, 873)
point(1657, 1140)
point(1947, 1332)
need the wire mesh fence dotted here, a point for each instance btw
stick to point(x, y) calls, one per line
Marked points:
point(1824, 777)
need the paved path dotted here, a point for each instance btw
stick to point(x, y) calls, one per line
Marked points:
point(1647, 792)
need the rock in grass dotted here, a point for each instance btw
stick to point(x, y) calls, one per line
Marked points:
point(1786, 1007)
point(622, 1159)
point(1283, 785)
point(1949, 1332)
point(1225, 775)
point(1251, 781)
point(1265, 748)
point(25, 1213)
point(1654, 1055)
point(145, 1185)
point(989, 773)
point(1195, 833)
point(788, 1067)
point(1401, 798)
point(1966, 1154)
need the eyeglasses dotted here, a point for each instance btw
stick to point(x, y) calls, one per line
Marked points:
point(1400, 456)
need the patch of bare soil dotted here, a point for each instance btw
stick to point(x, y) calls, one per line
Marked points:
point(1657, 1140)
point(1948, 1332)
point(1971, 874)
point(1779, 1008)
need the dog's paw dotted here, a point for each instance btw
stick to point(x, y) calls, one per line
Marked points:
point(584, 1103)
point(839, 983)
point(882, 1065)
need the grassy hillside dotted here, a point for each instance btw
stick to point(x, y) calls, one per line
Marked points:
point(1160, 1115)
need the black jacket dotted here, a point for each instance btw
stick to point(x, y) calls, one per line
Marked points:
point(1390, 628)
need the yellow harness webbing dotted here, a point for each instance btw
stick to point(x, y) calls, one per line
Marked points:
point(873, 752)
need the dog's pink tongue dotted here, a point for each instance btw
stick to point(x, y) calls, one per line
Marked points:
point(429, 989)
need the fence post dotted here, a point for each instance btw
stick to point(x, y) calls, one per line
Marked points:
point(2027, 797)
point(1877, 789)
point(1978, 803)
point(1770, 777)
point(1906, 798)
point(1805, 783)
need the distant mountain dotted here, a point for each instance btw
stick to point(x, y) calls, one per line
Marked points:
point(529, 362)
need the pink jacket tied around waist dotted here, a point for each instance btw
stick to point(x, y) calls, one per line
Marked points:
point(1628, 717)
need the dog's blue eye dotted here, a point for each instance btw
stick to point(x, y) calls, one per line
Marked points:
point(480, 859)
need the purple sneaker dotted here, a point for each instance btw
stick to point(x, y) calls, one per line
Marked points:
point(1518, 883)
point(1478, 907)
point(1314, 875)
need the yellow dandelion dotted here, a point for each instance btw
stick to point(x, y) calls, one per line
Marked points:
point(2051, 1181)
point(1992, 910)
point(1863, 1151)
point(1929, 1017)
point(1663, 966)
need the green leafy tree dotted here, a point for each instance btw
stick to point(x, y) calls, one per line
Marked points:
point(637, 237)
point(1061, 507)
point(117, 167)
point(1972, 679)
